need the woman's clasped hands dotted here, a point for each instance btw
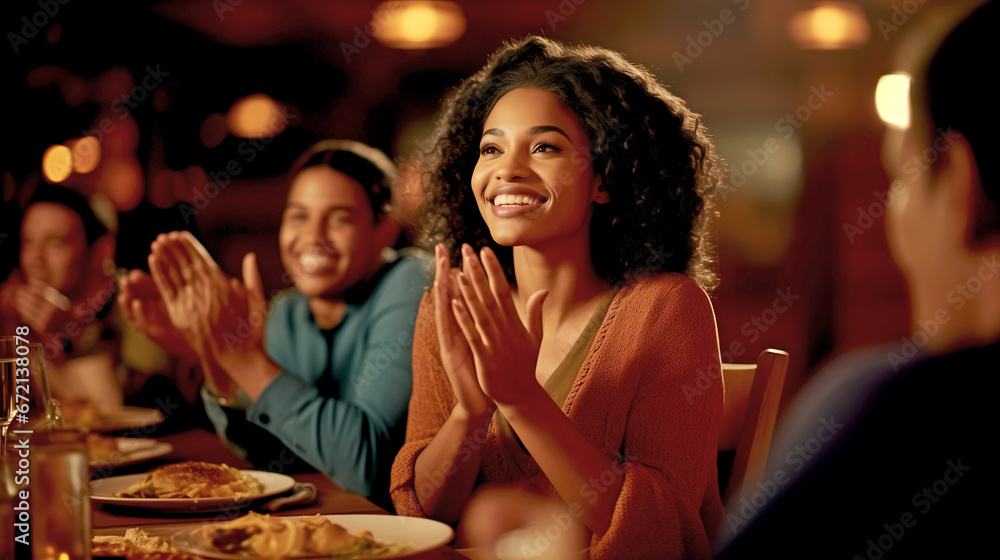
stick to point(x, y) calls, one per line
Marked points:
point(489, 352)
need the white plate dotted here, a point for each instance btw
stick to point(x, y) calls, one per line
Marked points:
point(102, 490)
point(113, 420)
point(125, 418)
point(130, 451)
point(420, 534)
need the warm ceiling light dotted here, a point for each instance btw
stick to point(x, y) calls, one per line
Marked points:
point(256, 116)
point(86, 153)
point(418, 24)
point(57, 163)
point(892, 99)
point(829, 25)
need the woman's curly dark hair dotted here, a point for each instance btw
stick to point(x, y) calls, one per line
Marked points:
point(656, 159)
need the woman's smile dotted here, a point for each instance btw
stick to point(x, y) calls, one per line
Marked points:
point(530, 167)
point(509, 202)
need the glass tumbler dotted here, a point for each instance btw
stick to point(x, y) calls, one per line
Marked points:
point(60, 496)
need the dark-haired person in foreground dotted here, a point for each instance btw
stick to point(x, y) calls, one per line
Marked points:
point(328, 371)
point(886, 454)
point(572, 194)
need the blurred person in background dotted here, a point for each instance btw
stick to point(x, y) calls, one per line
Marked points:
point(323, 374)
point(64, 291)
point(885, 452)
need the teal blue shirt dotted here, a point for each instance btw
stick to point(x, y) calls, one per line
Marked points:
point(341, 407)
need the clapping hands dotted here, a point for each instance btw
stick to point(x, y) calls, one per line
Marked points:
point(503, 347)
point(143, 308)
point(189, 305)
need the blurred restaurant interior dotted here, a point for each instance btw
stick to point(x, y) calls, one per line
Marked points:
point(199, 107)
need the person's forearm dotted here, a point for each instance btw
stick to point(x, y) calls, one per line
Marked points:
point(219, 382)
point(446, 470)
point(252, 371)
point(577, 469)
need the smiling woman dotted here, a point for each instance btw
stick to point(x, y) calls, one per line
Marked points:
point(572, 193)
point(527, 171)
point(331, 380)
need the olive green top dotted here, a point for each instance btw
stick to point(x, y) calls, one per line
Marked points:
point(561, 380)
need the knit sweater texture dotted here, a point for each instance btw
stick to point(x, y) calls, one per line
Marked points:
point(636, 398)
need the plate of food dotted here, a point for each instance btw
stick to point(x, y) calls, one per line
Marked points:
point(136, 543)
point(343, 537)
point(107, 452)
point(85, 414)
point(189, 486)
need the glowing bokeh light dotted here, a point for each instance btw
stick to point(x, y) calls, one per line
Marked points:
point(830, 25)
point(256, 116)
point(418, 24)
point(86, 154)
point(57, 163)
point(892, 99)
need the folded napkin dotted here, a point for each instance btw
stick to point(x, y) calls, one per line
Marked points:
point(303, 494)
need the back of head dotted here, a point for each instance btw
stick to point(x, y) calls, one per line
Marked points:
point(953, 93)
point(961, 97)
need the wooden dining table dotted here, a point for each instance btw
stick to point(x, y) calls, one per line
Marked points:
point(201, 445)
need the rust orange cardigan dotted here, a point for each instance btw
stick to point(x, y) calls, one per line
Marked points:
point(629, 399)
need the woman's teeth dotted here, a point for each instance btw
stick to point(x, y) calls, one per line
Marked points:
point(312, 263)
point(515, 200)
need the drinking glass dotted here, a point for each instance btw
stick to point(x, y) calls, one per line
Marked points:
point(8, 502)
point(60, 496)
point(8, 404)
point(41, 413)
point(24, 388)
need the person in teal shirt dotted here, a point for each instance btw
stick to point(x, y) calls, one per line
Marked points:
point(330, 382)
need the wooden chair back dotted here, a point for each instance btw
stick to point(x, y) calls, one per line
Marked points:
point(749, 414)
